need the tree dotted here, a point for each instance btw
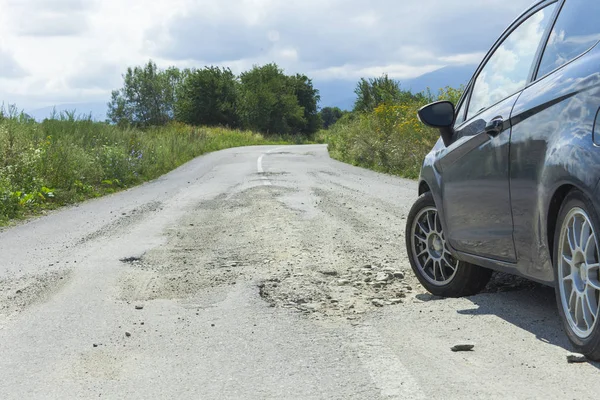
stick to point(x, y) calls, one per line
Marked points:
point(375, 91)
point(330, 115)
point(147, 97)
point(208, 96)
point(268, 102)
point(308, 98)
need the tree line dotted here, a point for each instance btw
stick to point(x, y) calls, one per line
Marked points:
point(263, 99)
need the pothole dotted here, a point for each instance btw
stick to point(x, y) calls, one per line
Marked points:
point(337, 292)
point(131, 260)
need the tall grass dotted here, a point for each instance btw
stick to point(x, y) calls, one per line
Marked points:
point(389, 139)
point(68, 159)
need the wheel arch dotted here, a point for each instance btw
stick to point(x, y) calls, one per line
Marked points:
point(423, 187)
point(554, 206)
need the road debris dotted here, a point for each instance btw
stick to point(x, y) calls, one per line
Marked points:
point(329, 272)
point(378, 303)
point(576, 359)
point(130, 260)
point(382, 277)
point(462, 347)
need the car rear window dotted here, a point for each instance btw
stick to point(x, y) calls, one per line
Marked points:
point(576, 30)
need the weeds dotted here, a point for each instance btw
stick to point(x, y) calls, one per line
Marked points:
point(389, 139)
point(68, 159)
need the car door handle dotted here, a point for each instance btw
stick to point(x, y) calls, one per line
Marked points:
point(495, 126)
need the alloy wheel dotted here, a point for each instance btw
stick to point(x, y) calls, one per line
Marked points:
point(429, 248)
point(578, 272)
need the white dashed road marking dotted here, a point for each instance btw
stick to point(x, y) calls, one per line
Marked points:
point(259, 166)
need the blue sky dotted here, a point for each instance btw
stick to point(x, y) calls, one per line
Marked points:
point(70, 51)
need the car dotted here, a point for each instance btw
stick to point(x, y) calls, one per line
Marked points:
point(512, 184)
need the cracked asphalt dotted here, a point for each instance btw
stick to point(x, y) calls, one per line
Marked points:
point(260, 273)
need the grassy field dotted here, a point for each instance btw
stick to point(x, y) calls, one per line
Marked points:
point(66, 160)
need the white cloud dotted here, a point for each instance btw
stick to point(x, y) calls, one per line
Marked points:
point(355, 72)
point(76, 50)
point(464, 59)
point(47, 18)
point(289, 54)
point(9, 67)
point(368, 19)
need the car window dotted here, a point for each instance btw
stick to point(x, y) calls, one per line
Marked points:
point(576, 30)
point(507, 70)
point(460, 113)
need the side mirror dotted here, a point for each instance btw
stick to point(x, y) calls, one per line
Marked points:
point(439, 115)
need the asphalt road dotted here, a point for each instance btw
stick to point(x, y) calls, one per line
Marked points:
point(260, 273)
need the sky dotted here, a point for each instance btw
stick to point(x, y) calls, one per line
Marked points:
point(72, 51)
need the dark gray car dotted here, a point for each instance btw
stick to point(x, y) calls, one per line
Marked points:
point(512, 184)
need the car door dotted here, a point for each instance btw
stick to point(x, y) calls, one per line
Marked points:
point(475, 171)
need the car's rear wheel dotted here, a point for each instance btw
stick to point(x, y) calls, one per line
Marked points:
point(577, 273)
point(433, 264)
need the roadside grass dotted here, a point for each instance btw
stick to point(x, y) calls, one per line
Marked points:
point(67, 159)
point(389, 139)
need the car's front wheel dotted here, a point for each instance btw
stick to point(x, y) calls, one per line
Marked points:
point(577, 273)
point(433, 264)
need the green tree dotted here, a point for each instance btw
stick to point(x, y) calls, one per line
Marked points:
point(208, 96)
point(147, 97)
point(308, 98)
point(375, 91)
point(330, 115)
point(268, 102)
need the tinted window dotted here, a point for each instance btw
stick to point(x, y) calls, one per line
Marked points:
point(507, 70)
point(576, 30)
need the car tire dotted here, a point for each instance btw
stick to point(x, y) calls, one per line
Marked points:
point(431, 261)
point(576, 262)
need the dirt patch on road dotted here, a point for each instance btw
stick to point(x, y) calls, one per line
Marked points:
point(337, 263)
point(352, 260)
point(17, 294)
point(221, 240)
point(125, 220)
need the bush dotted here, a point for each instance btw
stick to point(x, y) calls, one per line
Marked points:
point(389, 139)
